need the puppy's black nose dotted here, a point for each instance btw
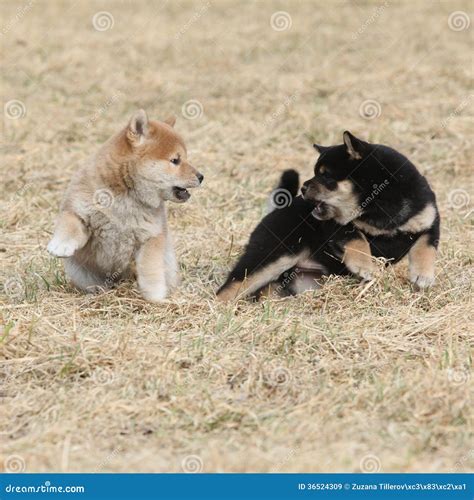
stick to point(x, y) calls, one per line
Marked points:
point(200, 177)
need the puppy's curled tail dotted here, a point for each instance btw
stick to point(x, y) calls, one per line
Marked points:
point(282, 196)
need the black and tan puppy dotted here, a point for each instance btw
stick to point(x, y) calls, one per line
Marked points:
point(365, 200)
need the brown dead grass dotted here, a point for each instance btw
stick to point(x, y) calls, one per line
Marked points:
point(321, 382)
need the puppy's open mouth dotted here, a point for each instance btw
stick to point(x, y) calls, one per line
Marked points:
point(181, 194)
point(320, 210)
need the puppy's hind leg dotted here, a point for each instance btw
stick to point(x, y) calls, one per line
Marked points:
point(242, 283)
point(70, 234)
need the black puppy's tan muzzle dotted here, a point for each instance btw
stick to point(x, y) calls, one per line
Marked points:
point(311, 192)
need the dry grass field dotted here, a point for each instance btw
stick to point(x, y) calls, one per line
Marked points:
point(346, 378)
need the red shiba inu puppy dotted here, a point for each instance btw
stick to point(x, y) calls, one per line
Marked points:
point(113, 213)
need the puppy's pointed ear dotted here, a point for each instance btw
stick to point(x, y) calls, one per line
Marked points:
point(354, 146)
point(319, 149)
point(171, 120)
point(137, 130)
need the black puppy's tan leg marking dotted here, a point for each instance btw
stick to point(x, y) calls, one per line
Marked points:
point(358, 259)
point(422, 258)
point(242, 288)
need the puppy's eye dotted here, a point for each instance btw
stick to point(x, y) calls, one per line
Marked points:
point(175, 161)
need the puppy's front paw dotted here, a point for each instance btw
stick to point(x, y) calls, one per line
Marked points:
point(421, 281)
point(363, 267)
point(367, 274)
point(156, 294)
point(358, 259)
point(62, 248)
